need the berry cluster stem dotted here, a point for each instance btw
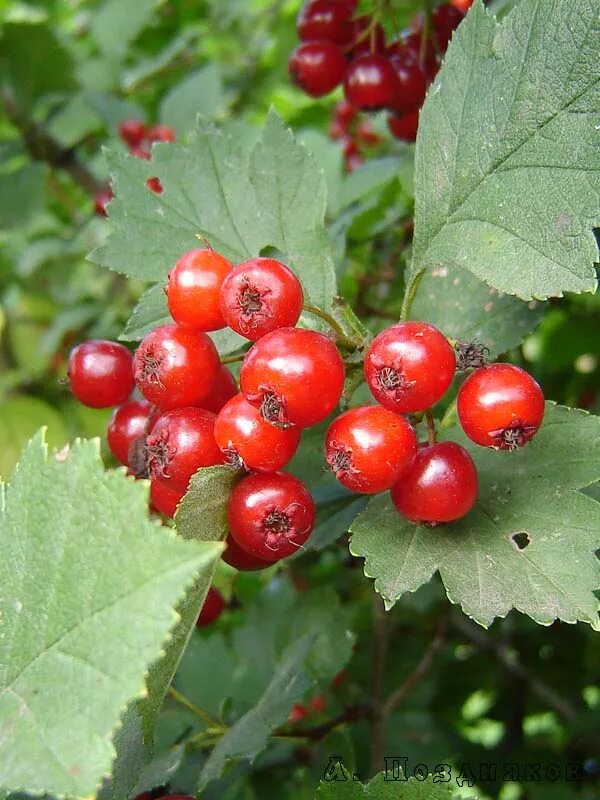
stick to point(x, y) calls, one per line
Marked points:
point(431, 435)
point(410, 294)
point(340, 336)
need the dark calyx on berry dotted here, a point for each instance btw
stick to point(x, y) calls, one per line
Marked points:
point(470, 354)
point(513, 437)
point(251, 302)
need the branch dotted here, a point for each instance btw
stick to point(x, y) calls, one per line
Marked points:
point(318, 732)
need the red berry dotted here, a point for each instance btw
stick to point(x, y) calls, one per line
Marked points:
point(175, 367)
point(441, 486)
point(129, 424)
point(194, 289)
point(462, 5)
point(250, 442)
point(344, 114)
point(164, 499)
point(100, 373)
point(214, 605)
point(237, 557)
point(409, 366)
point(349, 147)
point(154, 185)
point(294, 376)
point(445, 19)
point(366, 38)
point(317, 67)
point(260, 295)
point(500, 406)
point(325, 19)
point(412, 80)
point(224, 389)
point(180, 443)
point(161, 133)
point(404, 127)
point(371, 82)
point(428, 58)
point(140, 152)
point(132, 132)
point(365, 135)
point(369, 448)
point(101, 200)
point(318, 704)
point(353, 162)
point(270, 515)
point(297, 714)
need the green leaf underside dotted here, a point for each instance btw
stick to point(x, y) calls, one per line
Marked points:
point(88, 598)
point(273, 198)
point(342, 786)
point(202, 513)
point(533, 491)
point(508, 154)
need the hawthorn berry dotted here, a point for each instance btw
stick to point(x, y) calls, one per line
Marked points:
point(154, 185)
point(325, 19)
point(344, 114)
point(445, 19)
point(260, 295)
point(175, 367)
point(369, 448)
point(223, 390)
point(294, 376)
point(129, 423)
point(237, 557)
point(270, 515)
point(405, 127)
point(441, 485)
point(213, 607)
point(500, 406)
point(194, 289)
point(132, 132)
point(161, 133)
point(412, 81)
point(409, 366)
point(100, 373)
point(317, 67)
point(164, 499)
point(371, 82)
point(297, 714)
point(248, 441)
point(101, 200)
point(367, 37)
point(181, 442)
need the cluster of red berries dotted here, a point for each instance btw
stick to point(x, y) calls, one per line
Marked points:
point(339, 48)
point(357, 136)
point(139, 139)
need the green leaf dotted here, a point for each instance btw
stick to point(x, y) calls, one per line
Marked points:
point(340, 785)
point(21, 195)
point(89, 592)
point(507, 163)
point(21, 417)
point(202, 513)
point(464, 307)
point(273, 199)
point(200, 93)
point(115, 24)
point(532, 492)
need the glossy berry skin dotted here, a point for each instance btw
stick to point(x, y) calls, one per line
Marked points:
point(101, 200)
point(405, 127)
point(154, 185)
point(441, 486)
point(260, 295)
point(237, 557)
point(371, 82)
point(445, 19)
point(214, 605)
point(181, 442)
point(161, 133)
point(194, 289)
point(325, 19)
point(297, 714)
point(100, 373)
point(317, 67)
point(223, 390)
point(369, 448)
point(270, 515)
point(412, 81)
point(500, 406)
point(132, 132)
point(247, 441)
point(294, 376)
point(128, 424)
point(164, 499)
point(409, 366)
point(175, 367)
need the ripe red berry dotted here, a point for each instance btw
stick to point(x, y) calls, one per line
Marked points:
point(154, 185)
point(181, 441)
point(237, 557)
point(194, 289)
point(214, 605)
point(100, 373)
point(294, 376)
point(318, 704)
point(409, 366)
point(260, 295)
point(224, 389)
point(161, 133)
point(248, 441)
point(164, 499)
point(404, 127)
point(500, 406)
point(175, 367)
point(462, 5)
point(325, 19)
point(270, 515)
point(366, 38)
point(344, 114)
point(371, 82)
point(445, 19)
point(427, 56)
point(317, 67)
point(441, 486)
point(412, 81)
point(297, 714)
point(129, 423)
point(369, 448)
point(132, 132)
point(101, 200)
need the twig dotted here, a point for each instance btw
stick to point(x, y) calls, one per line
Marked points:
point(431, 437)
point(318, 732)
point(340, 336)
point(198, 712)
point(233, 359)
